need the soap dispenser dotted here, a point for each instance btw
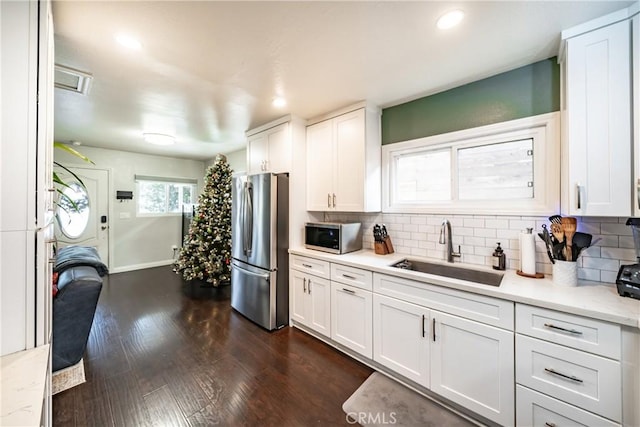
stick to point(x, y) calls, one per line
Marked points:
point(499, 259)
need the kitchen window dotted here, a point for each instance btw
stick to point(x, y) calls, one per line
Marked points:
point(505, 168)
point(158, 196)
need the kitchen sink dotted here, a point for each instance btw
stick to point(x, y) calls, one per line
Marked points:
point(454, 272)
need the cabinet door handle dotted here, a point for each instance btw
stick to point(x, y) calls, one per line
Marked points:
point(578, 201)
point(304, 285)
point(560, 374)
point(349, 291)
point(328, 200)
point(309, 286)
point(334, 200)
point(423, 332)
point(548, 424)
point(433, 327)
point(346, 276)
point(638, 191)
point(559, 328)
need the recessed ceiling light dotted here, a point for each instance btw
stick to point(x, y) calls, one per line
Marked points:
point(450, 19)
point(279, 102)
point(76, 143)
point(159, 138)
point(128, 41)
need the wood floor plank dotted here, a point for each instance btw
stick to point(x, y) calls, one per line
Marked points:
point(165, 354)
point(163, 409)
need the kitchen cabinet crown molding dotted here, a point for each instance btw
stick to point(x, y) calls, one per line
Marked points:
point(286, 119)
point(595, 24)
point(368, 106)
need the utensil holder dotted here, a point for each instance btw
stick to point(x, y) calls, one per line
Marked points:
point(380, 248)
point(565, 273)
point(388, 244)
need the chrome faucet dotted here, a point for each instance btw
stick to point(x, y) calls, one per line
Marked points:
point(446, 228)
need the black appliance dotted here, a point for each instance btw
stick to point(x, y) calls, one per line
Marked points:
point(628, 280)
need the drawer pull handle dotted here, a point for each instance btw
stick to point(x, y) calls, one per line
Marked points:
point(346, 276)
point(307, 265)
point(569, 377)
point(548, 424)
point(349, 291)
point(559, 328)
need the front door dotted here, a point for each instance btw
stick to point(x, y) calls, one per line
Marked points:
point(86, 223)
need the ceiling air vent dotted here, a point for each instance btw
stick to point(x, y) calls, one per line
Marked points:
point(73, 80)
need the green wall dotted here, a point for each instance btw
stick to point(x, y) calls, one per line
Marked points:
point(528, 91)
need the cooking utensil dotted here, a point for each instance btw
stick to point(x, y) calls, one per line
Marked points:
point(558, 251)
point(581, 241)
point(569, 226)
point(546, 237)
point(558, 232)
point(555, 219)
point(377, 233)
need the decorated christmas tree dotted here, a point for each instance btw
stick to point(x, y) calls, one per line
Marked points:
point(206, 252)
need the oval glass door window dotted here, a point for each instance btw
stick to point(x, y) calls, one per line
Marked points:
point(73, 219)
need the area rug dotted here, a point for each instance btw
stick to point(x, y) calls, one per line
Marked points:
point(66, 378)
point(381, 401)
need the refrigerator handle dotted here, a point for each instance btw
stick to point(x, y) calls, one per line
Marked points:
point(251, 273)
point(248, 231)
point(243, 215)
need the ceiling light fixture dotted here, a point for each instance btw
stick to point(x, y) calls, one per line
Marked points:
point(450, 19)
point(159, 138)
point(128, 41)
point(279, 102)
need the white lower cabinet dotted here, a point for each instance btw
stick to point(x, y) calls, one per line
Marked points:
point(311, 301)
point(465, 360)
point(472, 364)
point(351, 318)
point(401, 338)
point(537, 409)
point(558, 382)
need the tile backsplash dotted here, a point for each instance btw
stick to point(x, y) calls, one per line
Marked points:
point(477, 235)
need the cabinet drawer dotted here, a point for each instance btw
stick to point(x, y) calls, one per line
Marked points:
point(491, 311)
point(352, 276)
point(590, 335)
point(537, 409)
point(311, 266)
point(588, 381)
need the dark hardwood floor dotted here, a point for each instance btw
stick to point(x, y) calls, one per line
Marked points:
point(161, 355)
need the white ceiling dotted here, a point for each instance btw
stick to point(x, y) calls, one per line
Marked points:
point(207, 71)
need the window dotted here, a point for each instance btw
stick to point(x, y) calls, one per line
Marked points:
point(505, 168)
point(73, 210)
point(164, 196)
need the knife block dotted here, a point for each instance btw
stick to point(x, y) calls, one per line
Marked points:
point(383, 248)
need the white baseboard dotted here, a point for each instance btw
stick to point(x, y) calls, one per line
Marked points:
point(133, 267)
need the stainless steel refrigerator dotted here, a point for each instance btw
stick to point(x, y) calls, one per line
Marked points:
point(259, 248)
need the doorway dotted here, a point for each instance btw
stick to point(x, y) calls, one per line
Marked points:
point(85, 221)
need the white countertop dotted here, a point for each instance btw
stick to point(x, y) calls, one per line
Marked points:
point(22, 384)
point(591, 299)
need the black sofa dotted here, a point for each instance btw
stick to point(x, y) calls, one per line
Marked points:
point(79, 285)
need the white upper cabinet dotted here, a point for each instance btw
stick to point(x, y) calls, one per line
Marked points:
point(343, 161)
point(597, 166)
point(635, 29)
point(269, 150)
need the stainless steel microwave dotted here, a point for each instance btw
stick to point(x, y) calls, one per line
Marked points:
point(334, 237)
